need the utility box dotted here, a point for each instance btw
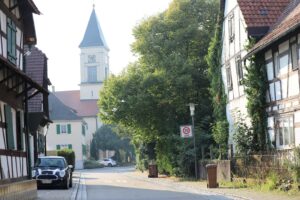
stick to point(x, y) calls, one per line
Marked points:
point(153, 172)
point(212, 176)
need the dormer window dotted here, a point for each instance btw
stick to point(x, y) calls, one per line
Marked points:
point(231, 27)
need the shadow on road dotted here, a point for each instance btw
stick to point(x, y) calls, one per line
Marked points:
point(125, 193)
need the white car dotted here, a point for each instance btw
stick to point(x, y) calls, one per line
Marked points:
point(108, 162)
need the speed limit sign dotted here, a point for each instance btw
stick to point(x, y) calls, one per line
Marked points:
point(186, 131)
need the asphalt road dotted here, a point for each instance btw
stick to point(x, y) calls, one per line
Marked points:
point(118, 183)
point(124, 183)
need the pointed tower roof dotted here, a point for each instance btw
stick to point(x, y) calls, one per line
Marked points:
point(93, 34)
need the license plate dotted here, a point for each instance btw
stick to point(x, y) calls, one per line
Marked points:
point(46, 181)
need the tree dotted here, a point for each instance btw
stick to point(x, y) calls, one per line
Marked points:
point(151, 95)
point(106, 138)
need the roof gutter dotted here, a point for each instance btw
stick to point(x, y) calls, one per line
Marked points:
point(262, 47)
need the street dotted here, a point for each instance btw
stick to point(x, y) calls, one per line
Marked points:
point(123, 183)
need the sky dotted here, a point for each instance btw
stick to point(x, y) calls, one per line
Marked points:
point(62, 24)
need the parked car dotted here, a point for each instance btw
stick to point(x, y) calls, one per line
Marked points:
point(108, 162)
point(52, 171)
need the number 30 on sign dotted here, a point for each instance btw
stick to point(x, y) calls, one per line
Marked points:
point(186, 131)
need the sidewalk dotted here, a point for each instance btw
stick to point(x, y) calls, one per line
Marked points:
point(236, 193)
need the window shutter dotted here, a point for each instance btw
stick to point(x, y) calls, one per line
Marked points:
point(69, 128)
point(69, 146)
point(11, 41)
point(58, 147)
point(9, 127)
point(83, 129)
point(57, 129)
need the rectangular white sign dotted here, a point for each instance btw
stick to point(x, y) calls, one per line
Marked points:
point(186, 131)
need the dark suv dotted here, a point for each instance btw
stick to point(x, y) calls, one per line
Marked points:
point(52, 170)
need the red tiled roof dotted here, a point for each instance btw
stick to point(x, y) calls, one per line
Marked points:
point(286, 24)
point(262, 13)
point(84, 108)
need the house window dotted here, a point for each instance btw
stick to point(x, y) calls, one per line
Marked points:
point(11, 41)
point(63, 146)
point(285, 132)
point(270, 70)
point(92, 74)
point(283, 63)
point(229, 78)
point(294, 55)
point(231, 27)
point(239, 69)
point(63, 128)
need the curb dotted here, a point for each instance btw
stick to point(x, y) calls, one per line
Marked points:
point(79, 192)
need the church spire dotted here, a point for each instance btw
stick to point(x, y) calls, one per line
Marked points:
point(93, 34)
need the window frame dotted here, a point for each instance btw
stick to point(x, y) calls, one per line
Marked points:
point(231, 27)
point(293, 53)
point(281, 134)
point(229, 78)
point(92, 74)
point(239, 69)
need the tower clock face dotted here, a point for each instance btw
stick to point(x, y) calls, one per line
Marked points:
point(91, 58)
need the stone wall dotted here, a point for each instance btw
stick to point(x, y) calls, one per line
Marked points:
point(25, 190)
point(223, 169)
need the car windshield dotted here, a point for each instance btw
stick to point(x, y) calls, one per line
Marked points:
point(50, 162)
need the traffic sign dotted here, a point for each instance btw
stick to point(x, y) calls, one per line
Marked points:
point(186, 131)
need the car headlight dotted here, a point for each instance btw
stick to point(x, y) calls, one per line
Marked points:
point(33, 173)
point(62, 173)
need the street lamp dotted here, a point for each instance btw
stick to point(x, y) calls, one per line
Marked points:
point(192, 109)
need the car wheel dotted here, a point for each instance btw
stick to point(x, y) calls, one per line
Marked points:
point(66, 183)
point(109, 164)
point(71, 182)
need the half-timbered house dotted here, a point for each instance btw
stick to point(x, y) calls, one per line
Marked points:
point(242, 19)
point(38, 108)
point(281, 50)
point(16, 30)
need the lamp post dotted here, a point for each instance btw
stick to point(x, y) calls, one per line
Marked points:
point(192, 110)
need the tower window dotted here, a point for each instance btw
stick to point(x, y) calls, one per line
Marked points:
point(92, 74)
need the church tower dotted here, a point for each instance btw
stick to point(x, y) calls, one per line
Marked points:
point(94, 60)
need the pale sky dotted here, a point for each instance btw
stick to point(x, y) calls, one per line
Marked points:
point(62, 25)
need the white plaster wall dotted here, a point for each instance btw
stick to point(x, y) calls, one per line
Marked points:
point(75, 138)
point(90, 91)
point(230, 50)
point(102, 61)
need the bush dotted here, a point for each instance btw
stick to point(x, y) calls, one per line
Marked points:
point(91, 164)
point(69, 155)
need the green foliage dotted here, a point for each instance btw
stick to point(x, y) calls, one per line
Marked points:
point(69, 155)
point(294, 166)
point(256, 84)
point(106, 138)
point(243, 136)
point(271, 181)
point(150, 98)
point(216, 89)
point(220, 135)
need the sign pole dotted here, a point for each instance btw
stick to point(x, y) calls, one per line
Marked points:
point(193, 131)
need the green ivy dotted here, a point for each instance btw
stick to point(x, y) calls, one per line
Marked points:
point(256, 85)
point(217, 92)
